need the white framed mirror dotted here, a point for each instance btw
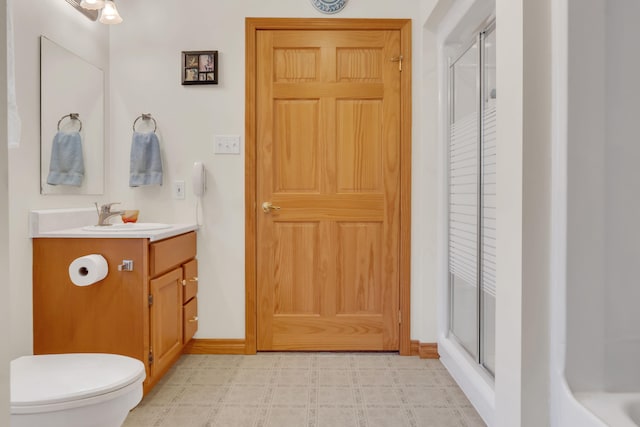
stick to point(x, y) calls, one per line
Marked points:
point(70, 85)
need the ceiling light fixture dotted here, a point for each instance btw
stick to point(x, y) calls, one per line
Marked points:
point(105, 9)
point(109, 14)
point(92, 4)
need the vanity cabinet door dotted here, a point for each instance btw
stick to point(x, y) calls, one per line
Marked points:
point(166, 320)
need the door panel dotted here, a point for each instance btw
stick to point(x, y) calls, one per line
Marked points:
point(359, 145)
point(166, 319)
point(328, 156)
point(295, 281)
point(360, 64)
point(296, 65)
point(358, 269)
point(295, 154)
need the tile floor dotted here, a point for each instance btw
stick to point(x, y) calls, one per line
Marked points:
point(305, 390)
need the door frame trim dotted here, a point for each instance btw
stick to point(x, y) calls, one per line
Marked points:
point(252, 26)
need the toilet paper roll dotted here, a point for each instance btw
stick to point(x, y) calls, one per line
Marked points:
point(87, 270)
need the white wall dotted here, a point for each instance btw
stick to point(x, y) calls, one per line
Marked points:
point(522, 315)
point(428, 159)
point(536, 214)
point(145, 72)
point(603, 338)
point(62, 24)
point(4, 230)
point(586, 195)
point(510, 61)
point(622, 333)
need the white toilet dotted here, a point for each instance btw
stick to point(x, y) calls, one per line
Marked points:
point(74, 390)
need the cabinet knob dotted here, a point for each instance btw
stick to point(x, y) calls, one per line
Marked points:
point(185, 281)
point(193, 319)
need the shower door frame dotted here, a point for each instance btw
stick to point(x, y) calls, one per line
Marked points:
point(479, 39)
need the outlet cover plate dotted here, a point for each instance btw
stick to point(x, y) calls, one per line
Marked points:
point(178, 190)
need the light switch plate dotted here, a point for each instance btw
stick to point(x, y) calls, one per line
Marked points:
point(227, 144)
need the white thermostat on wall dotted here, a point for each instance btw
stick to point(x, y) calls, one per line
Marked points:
point(329, 6)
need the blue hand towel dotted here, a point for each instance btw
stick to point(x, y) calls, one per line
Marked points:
point(67, 165)
point(146, 163)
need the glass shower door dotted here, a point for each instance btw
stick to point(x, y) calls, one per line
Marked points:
point(472, 198)
point(464, 183)
point(488, 202)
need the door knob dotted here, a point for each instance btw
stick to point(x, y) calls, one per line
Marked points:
point(268, 207)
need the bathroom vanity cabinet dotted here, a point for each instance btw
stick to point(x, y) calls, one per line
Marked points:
point(149, 313)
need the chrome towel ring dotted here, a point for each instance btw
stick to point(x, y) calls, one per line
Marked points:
point(72, 116)
point(145, 116)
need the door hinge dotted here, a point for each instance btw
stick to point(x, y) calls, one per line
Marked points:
point(150, 356)
point(399, 60)
point(150, 300)
point(399, 317)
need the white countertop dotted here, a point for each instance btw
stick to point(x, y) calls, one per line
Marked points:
point(73, 223)
point(152, 235)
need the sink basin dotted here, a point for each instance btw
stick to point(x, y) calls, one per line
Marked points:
point(129, 226)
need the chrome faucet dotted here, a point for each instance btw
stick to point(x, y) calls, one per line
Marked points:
point(105, 212)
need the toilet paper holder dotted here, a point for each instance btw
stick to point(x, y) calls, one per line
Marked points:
point(127, 265)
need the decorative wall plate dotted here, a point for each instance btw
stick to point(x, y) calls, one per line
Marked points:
point(329, 6)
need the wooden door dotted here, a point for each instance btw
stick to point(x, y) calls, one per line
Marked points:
point(166, 320)
point(328, 159)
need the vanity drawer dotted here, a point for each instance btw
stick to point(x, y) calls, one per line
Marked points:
point(189, 280)
point(189, 320)
point(169, 253)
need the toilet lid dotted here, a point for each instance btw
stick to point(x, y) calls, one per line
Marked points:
point(57, 378)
